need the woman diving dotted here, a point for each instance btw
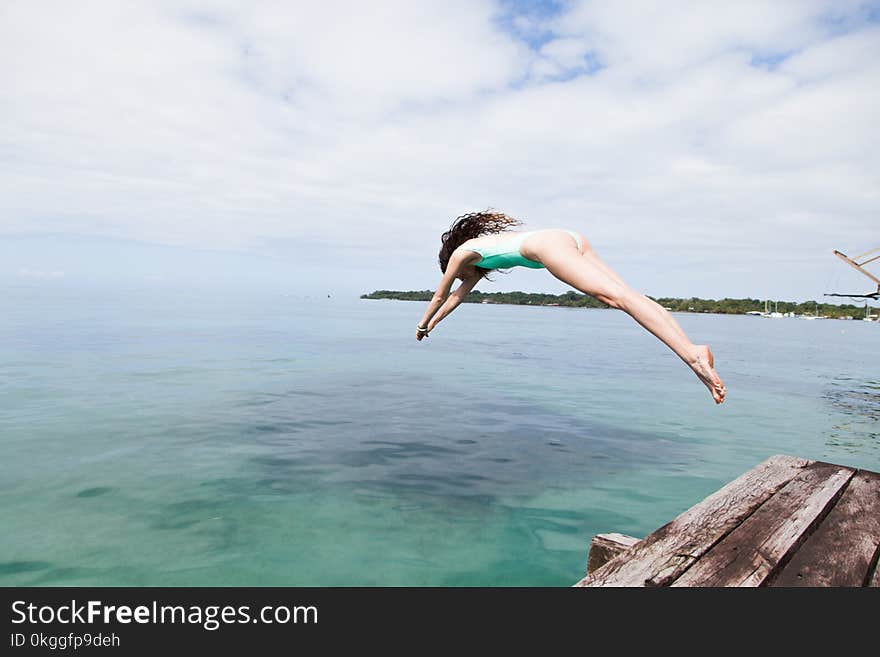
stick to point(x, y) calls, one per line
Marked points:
point(479, 242)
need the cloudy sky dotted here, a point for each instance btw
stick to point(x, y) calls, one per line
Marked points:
point(705, 148)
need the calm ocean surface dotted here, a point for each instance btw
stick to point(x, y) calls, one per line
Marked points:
point(277, 440)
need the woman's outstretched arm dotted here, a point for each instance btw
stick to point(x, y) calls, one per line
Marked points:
point(451, 303)
point(442, 303)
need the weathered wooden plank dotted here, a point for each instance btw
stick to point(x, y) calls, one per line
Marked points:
point(666, 553)
point(605, 547)
point(751, 552)
point(875, 580)
point(841, 551)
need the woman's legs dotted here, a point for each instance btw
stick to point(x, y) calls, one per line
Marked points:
point(595, 261)
point(587, 273)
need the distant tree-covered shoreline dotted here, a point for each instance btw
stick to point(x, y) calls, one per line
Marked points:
point(693, 304)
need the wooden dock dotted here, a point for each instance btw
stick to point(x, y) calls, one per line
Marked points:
point(786, 522)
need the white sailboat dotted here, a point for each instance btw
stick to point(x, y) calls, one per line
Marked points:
point(814, 316)
point(775, 314)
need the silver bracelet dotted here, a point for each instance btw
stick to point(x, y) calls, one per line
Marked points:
point(421, 329)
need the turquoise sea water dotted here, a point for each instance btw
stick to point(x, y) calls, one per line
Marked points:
point(156, 439)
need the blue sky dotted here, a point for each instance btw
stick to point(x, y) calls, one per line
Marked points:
point(705, 149)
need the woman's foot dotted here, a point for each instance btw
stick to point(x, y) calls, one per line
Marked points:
point(703, 365)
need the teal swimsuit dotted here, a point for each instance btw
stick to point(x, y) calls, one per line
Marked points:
point(506, 254)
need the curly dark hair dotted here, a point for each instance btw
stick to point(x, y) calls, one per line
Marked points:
point(468, 226)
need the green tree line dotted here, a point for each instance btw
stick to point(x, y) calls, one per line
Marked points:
point(573, 299)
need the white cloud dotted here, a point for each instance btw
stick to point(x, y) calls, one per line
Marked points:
point(734, 129)
point(381, 55)
point(654, 39)
point(39, 274)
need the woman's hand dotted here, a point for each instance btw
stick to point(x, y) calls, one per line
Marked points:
point(421, 333)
